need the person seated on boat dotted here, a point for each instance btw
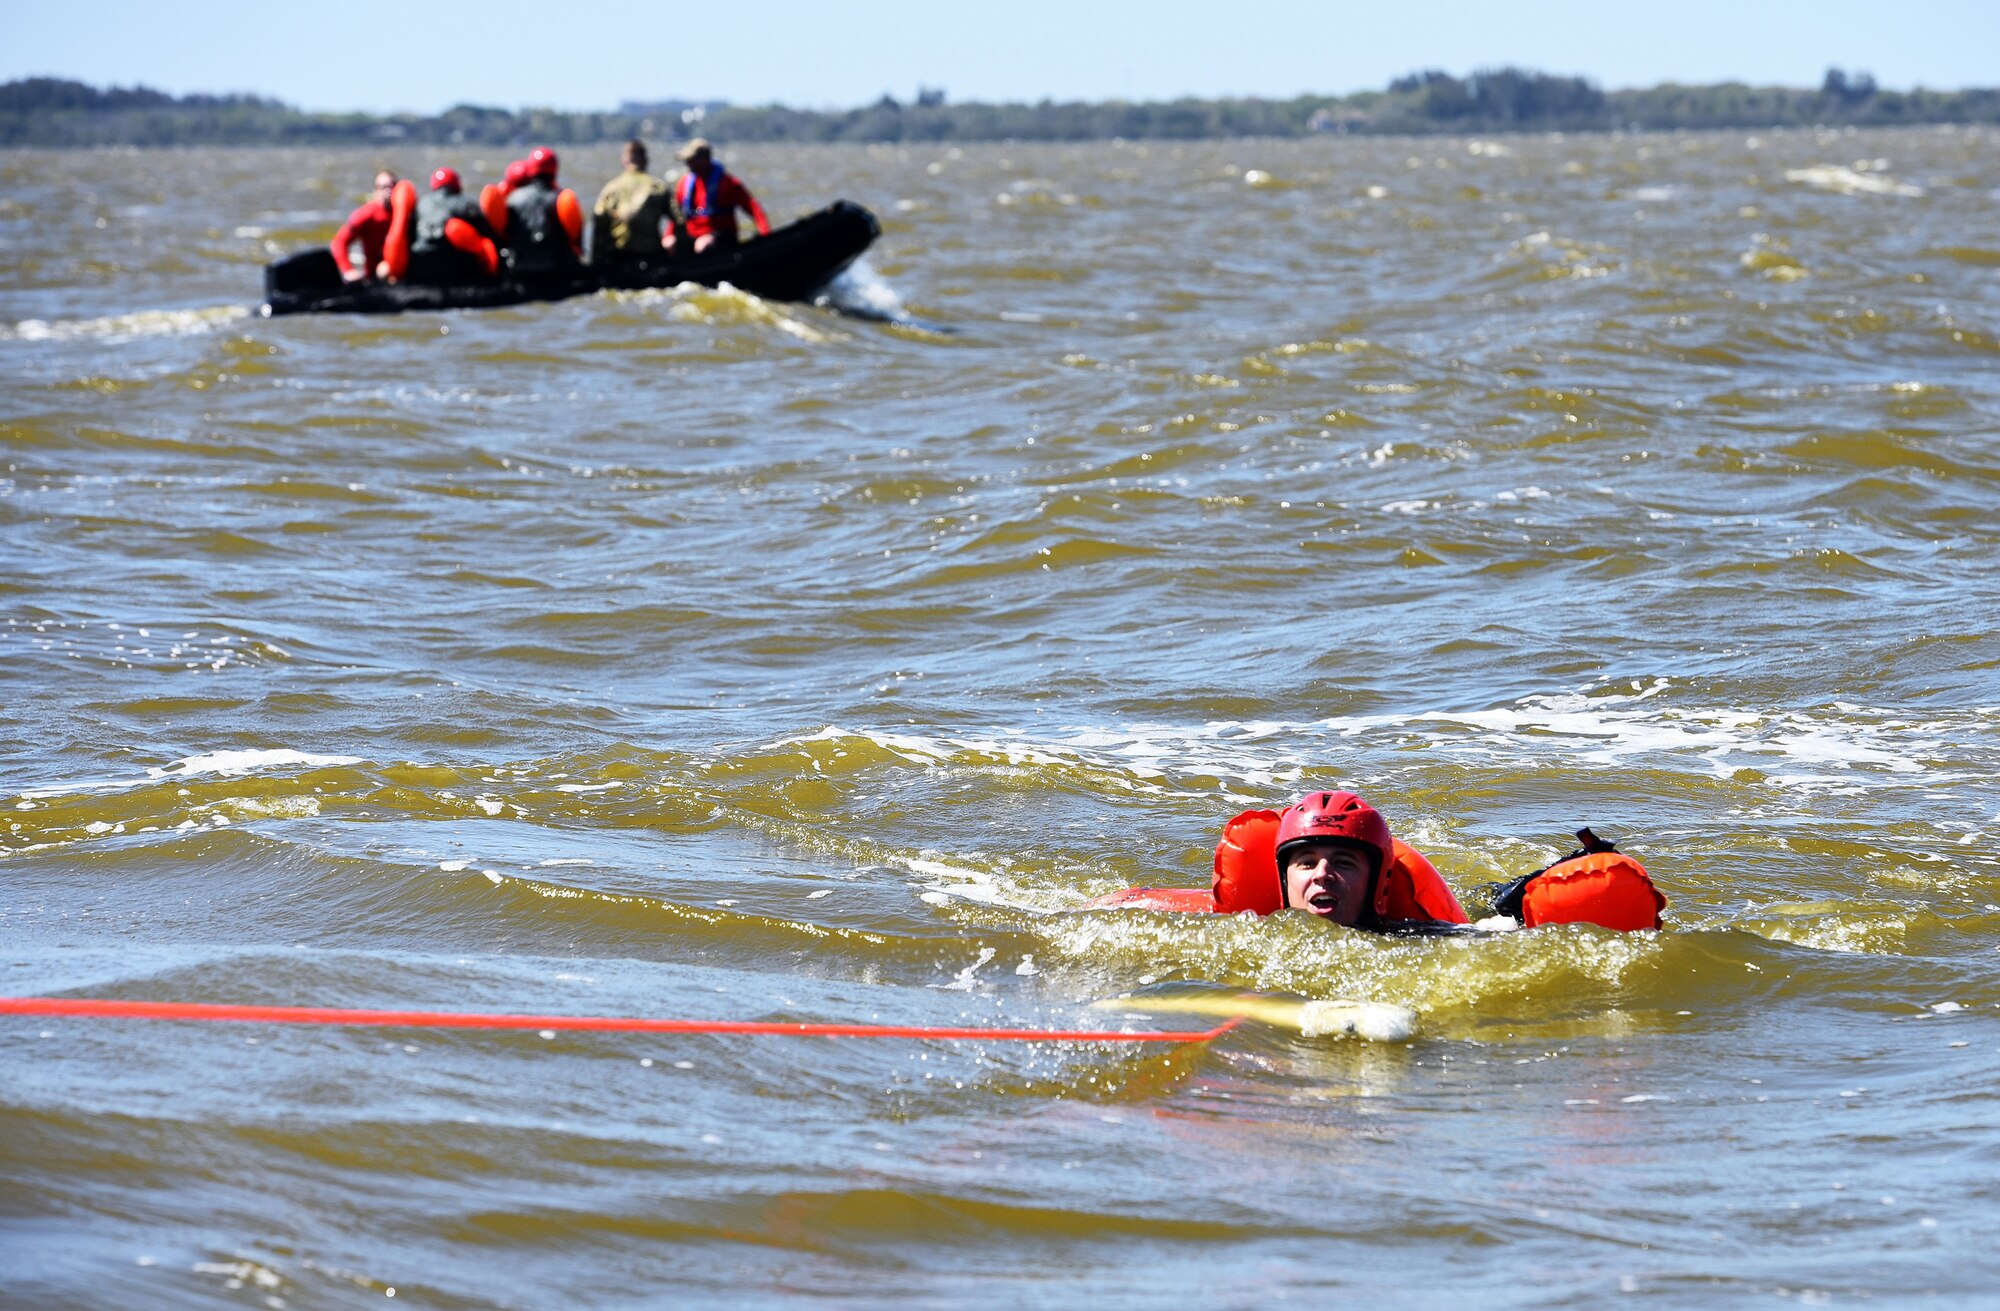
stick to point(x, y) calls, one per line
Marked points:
point(1331, 854)
point(544, 231)
point(368, 225)
point(708, 197)
point(632, 212)
point(451, 243)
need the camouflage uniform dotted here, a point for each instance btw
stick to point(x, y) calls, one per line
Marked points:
point(629, 212)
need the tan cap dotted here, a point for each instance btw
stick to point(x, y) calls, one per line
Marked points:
point(695, 147)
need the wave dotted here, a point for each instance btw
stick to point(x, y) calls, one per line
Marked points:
point(725, 306)
point(1840, 745)
point(1841, 748)
point(217, 764)
point(126, 327)
point(1850, 182)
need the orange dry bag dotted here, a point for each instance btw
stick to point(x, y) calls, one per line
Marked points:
point(1606, 888)
point(396, 249)
point(1598, 885)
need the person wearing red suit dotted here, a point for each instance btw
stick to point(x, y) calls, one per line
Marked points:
point(368, 225)
point(708, 197)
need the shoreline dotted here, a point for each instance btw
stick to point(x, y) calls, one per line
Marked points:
point(53, 113)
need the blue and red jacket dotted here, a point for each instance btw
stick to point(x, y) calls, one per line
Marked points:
point(708, 203)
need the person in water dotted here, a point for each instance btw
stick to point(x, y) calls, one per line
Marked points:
point(368, 225)
point(544, 231)
point(451, 243)
point(1331, 854)
point(1329, 876)
point(708, 197)
point(1336, 859)
point(632, 212)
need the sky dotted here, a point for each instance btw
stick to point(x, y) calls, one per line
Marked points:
point(383, 57)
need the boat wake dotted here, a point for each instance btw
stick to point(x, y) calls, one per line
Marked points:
point(694, 303)
point(862, 293)
point(859, 292)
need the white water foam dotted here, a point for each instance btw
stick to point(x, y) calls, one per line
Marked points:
point(1848, 182)
point(968, 978)
point(1842, 748)
point(694, 303)
point(1374, 1021)
point(862, 292)
point(219, 764)
point(691, 302)
point(126, 327)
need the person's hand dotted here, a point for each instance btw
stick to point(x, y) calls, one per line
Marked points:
point(353, 275)
point(382, 271)
point(703, 242)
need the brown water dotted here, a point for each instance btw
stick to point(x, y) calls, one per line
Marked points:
point(680, 654)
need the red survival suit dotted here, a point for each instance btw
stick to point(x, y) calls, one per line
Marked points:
point(368, 225)
point(439, 238)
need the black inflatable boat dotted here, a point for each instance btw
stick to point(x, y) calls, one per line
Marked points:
point(791, 264)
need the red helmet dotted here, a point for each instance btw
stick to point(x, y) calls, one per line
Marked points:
point(542, 163)
point(446, 179)
point(517, 172)
point(1340, 816)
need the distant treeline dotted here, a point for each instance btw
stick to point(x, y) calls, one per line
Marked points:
point(53, 112)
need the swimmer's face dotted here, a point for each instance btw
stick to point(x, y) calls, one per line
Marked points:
point(1329, 879)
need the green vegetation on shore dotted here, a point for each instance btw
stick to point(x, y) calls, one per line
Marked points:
point(53, 112)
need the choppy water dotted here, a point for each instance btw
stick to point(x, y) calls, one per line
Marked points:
point(685, 655)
